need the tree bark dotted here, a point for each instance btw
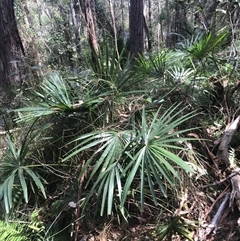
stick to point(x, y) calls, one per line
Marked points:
point(113, 25)
point(210, 12)
point(136, 25)
point(146, 19)
point(92, 36)
point(76, 25)
point(11, 48)
point(168, 24)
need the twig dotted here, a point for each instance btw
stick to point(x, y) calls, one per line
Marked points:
point(215, 221)
point(222, 181)
point(78, 211)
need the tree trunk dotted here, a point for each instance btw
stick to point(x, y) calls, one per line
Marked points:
point(150, 24)
point(210, 12)
point(111, 8)
point(146, 20)
point(76, 25)
point(26, 16)
point(136, 25)
point(92, 36)
point(11, 49)
point(68, 36)
point(168, 24)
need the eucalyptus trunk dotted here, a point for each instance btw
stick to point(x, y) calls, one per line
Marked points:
point(76, 24)
point(88, 6)
point(11, 48)
point(136, 25)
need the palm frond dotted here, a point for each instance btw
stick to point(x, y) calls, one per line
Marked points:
point(180, 74)
point(14, 171)
point(56, 96)
point(150, 156)
point(109, 148)
point(112, 75)
point(122, 157)
point(203, 45)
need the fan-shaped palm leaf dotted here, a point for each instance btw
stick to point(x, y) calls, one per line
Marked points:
point(152, 157)
point(14, 171)
point(203, 44)
point(107, 169)
point(122, 157)
point(56, 96)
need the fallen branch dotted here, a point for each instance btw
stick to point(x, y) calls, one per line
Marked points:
point(217, 217)
point(234, 173)
point(235, 194)
point(226, 139)
point(3, 132)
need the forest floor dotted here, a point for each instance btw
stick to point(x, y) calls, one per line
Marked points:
point(228, 229)
point(202, 201)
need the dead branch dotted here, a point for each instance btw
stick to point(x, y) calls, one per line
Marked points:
point(221, 181)
point(217, 217)
point(226, 139)
point(235, 194)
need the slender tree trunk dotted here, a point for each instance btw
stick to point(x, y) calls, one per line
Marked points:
point(122, 16)
point(210, 12)
point(68, 36)
point(145, 22)
point(150, 24)
point(204, 19)
point(26, 16)
point(76, 24)
point(159, 27)
point(168, 24)
point(92, 36)
point(11, 49)
point(113, 25)
point(136, 25)
point(39, 8)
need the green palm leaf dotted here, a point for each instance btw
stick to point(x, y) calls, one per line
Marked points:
point(36, 180)
point(107, 169)
point(151, 158)
point(122, 157)
point(14, 171)
point(204, 44)
point(23, 184)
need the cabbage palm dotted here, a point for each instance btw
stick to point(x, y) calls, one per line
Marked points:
point(16, 174)
point(112, 75)
point(157, 65)
point(176, 225)
point(203, 45)
point(122, 157)
point(59, 96)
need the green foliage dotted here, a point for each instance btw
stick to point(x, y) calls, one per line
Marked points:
point(107, 66)
point(180, 74)
point(175, 225)
point(35, 227)
point(105, 124)
point(57, 96)
point(203, 45)
point(156, 66)
point(17, 174)
point(122, 157)
point(151, 153)
point(13, 232)
point(19, 230)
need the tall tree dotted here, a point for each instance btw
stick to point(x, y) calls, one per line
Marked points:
point(89, 8)
point(74, 7)
point(11, 48)
point(136, 25)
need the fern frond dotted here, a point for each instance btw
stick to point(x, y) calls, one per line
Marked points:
point(13, 232)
